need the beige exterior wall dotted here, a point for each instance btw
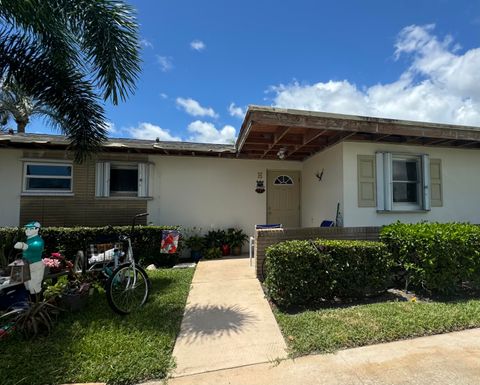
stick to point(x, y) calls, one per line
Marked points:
point(460, 183)
point(210, 193)
point(320, 198)
point(10, 186)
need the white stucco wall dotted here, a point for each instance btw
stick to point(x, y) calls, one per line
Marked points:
point(320, 198)
point(210, 193)
point(460, 183)
point(10, 186)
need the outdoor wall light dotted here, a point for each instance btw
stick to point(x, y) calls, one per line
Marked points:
point(282, 153)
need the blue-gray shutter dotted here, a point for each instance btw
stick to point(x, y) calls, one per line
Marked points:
point(143, 179)
point(102, 179)
point(426, 182)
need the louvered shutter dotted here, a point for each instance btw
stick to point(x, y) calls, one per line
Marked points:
point(366, 181)
point(436, 194)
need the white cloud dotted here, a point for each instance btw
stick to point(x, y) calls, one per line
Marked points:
point(193, 108)
point(163, 95)
point(111, 129)
point(440, 85)
point(165, 62)
point(236, 111)
point(151, 131)
point(146, 43)
point(205, 132)
point(197, 45)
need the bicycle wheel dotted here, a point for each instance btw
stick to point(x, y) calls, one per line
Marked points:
point(127, 288)
point(8, 322)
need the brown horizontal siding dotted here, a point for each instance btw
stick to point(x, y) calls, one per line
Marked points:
point(83, 208)
point(267, 237)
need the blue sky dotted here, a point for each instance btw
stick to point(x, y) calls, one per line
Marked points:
point(204, 62)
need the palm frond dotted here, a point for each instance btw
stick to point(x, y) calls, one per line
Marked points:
point(110, 41)
point(60, 87)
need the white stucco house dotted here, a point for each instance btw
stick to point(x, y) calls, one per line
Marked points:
point(376, 171)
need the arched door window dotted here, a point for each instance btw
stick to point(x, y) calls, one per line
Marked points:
point(283, 180)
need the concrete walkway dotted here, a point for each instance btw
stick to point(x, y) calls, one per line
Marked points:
point(227, 322)
point(448, 359)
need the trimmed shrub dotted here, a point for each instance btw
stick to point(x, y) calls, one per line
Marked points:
point(300, 273)
point(146, 241)
point(436, 257)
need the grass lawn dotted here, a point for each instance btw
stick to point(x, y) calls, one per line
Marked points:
point(327, 330)
point(98, 345)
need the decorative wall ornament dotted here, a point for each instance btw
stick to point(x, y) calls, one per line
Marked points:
point(260, 186)
point(319, 175)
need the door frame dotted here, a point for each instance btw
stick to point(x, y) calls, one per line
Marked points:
point(269, 170)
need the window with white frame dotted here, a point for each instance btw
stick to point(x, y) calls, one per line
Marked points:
point(47, 177)
point(118, 179)
point(402, 182)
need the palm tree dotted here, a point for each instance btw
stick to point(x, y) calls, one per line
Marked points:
point(15, 103)
point(68, 55)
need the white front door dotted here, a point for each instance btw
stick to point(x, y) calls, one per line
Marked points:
point(283, 198)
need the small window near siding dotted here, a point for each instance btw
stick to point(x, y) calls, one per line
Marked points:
point(115, 179)
point(406, 181)
point(47, 178)
point(123, 180)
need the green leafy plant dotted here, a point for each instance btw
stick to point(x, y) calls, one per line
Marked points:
point(37, 319)
point(434, 257)
point(215, 238)
point(310, 272)
point(236, 237)
point(212, 253)
point(195, 243)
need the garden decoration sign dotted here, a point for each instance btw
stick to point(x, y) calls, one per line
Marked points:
point(169, 241)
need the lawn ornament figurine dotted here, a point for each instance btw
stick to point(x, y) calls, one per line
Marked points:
point(32, 251)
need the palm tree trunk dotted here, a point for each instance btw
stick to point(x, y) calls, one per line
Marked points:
point(21, 124)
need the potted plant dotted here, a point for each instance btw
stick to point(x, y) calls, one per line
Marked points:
point(196, 244)
point(213, 253)
point(71, 294)
point(237, 239)
point(214, 238)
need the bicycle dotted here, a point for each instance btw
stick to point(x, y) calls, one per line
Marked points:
point(127, 284)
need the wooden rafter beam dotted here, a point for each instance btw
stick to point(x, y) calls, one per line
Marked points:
point(433, 142)
point(341, 138)
point(276, 138)
point(307, 138)
point(381, 137)
point(468, 144)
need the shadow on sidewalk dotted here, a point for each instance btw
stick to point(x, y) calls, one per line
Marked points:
point(213, 322)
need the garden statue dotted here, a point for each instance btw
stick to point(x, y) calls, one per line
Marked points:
point(32, 252)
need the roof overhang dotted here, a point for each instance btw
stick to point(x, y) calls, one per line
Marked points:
point(270, 133)
point(60, 142)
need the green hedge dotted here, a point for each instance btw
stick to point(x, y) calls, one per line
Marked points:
point(307, 272)
point(436, 257)
point(68, 240)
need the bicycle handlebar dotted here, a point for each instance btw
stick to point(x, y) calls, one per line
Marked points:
point(134, 220)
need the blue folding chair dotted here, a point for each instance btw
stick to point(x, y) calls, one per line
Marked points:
point(326, 223)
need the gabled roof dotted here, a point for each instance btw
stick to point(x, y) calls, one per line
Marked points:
point(299, 134)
